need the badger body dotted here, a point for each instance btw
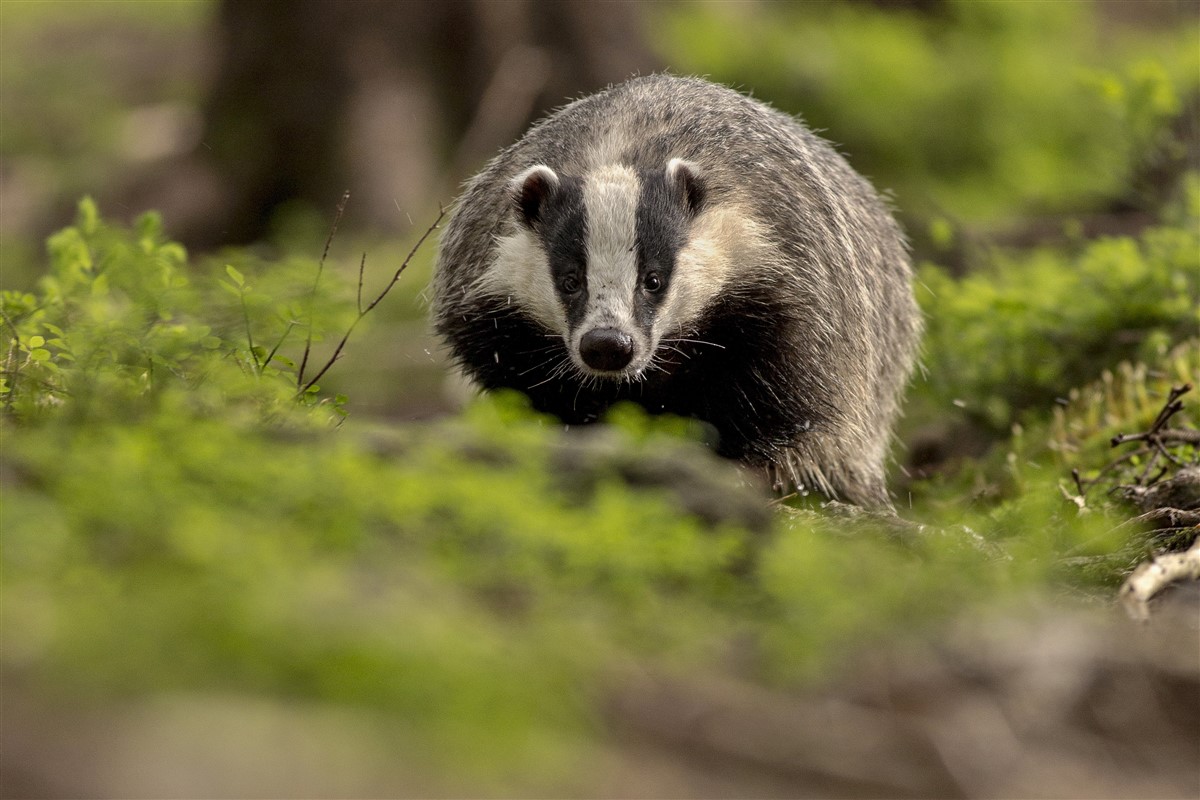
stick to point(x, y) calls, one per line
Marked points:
point(674, 243)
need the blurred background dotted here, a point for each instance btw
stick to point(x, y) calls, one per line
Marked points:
point(240, 122)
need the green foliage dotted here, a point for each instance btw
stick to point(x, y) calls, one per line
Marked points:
point(162, 533)
point(976, 110)
point(1008, 340)
point(118, 322)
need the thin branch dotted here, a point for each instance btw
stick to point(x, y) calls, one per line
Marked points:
point(362, 267)
point(249, 335)
point(364, 311)
point(1158, 429)
point(1078, 482)
point(1100, 473)
point(1150, 461)
point(16, 334)
point(1167, 454)
point(1182, 436)
point(404, 265)
point(337, 217)
point(291, 324)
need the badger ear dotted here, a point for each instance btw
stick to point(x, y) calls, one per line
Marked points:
point(684, 178)
point(530, 190)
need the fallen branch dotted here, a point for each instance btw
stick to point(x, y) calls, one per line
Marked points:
point(1152, 577)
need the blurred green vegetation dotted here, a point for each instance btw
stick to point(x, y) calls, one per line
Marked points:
point(179, 516)
point(1005, 341)
point(976, 111)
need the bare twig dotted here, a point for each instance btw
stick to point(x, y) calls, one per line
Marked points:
point(1158, 429)
point(282, 339)
point(1155, 440)
point(362, 312)
point(1090, 482)
point(1180, 436)
point(337, 217)
point(249, 334)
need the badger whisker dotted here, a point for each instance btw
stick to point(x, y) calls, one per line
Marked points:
point(693, 341)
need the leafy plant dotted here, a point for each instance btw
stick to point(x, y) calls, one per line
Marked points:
point(120, 318)
point(1007, 341)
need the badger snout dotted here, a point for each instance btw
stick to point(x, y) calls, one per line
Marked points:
point(606, 349)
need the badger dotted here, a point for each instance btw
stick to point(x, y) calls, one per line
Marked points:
point(675, 243)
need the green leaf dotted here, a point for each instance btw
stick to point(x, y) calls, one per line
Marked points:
point(36, 341)
point(100, 285)
point(89, 216)
point(40, 354)
point(232, 272)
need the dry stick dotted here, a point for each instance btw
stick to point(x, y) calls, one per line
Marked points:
point(337, 217)
point(1106, 469)
point(1152, 577)
point(1182, 436)
point(291, 324)
point(362, 312)
point(1172, 407)
point(1154, 438)
point(1078, 482)
point(1150, 461)
point(249, 335)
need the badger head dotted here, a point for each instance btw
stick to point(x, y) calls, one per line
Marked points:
point(608, 260)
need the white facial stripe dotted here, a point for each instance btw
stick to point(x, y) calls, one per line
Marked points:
point(521, 273)
point(719, 240)
point(610, 196)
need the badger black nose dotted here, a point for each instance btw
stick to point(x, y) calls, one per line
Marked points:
point(606, 349)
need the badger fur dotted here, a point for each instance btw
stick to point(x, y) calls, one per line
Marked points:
point(675, 243)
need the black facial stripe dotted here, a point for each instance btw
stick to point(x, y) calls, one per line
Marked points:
point(562, 229)
point(662, 224)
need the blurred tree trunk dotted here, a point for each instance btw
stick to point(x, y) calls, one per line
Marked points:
point(396, 101)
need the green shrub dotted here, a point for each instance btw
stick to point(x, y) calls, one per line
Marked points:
point(119, 319)
point(1006, 341)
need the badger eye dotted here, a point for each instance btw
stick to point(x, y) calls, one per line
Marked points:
point(568, 284)
point(652, 282)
